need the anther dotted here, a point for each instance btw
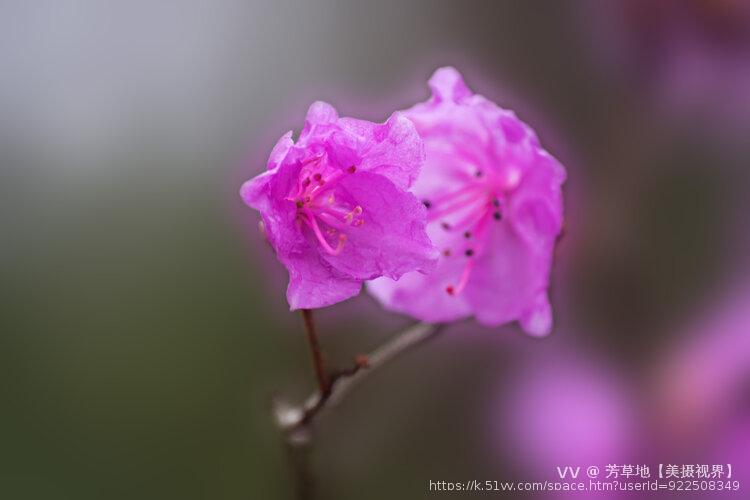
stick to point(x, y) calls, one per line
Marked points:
point(467, 234)
point(306, 182)
point(449, 289)
point(495, 202)
point(351, 169)
point(447, 252)
point(469, 252)
point(445, 226)
point(497, 215)
point(426, 203)
point(299, 203)
point(478, 173)
point(357, 210)
point(317, 176)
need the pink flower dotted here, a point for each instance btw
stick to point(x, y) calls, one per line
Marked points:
point(335, 205)
point(494, 211)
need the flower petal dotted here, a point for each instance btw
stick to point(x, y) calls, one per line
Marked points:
point(537, 320)
point(392, 241)
point(392, 149)
point(447, 84)
point(280, 150)
point(423, 296)
point(313, 283)
point(508, 277)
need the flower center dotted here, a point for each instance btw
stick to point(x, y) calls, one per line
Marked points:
point(468, 210)
point(318, 208)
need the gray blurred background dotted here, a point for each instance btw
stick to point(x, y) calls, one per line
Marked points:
point(143, 326)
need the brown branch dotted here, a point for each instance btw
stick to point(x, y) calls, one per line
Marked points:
point(324, 385)
point(296, 420)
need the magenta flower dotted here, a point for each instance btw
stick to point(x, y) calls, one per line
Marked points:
point(494, 211)
point(335, 205)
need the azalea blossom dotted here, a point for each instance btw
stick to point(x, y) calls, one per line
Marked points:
point(494, 202)
point(336, 208)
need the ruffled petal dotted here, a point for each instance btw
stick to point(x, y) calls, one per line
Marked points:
point(392, 240)
point(321, 118)
point(255, 191)
point(280, 150)
point(447, 84)
point(313, 283)
point(392, 149)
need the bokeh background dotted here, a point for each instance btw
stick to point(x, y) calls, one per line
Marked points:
point(143, 326)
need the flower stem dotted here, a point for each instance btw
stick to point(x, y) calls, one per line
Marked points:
point(340, 383)
point(324, 385)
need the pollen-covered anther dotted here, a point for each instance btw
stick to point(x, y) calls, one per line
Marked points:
point(350, 217)
point(331, 199)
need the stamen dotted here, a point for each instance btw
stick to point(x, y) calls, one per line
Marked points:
point(497, 216)
point(352, 169)
point(313, 223)
point(327, 183)
point(426, 203)
point(452, 195)
point(479, 232)
point(464, 279)
point(454, 206)
point(331, 220)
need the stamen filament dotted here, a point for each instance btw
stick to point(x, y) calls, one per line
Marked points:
point(469, 188)
point(452, 208)
point(313, 223)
